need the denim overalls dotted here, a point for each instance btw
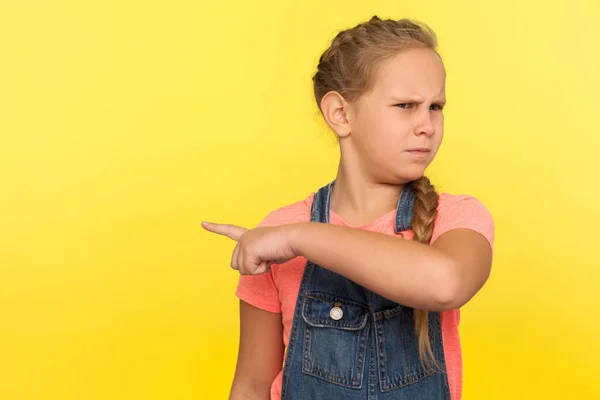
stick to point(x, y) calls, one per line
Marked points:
point(349, 343)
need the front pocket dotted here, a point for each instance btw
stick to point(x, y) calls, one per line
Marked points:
point(398, 349)
point(335, 343)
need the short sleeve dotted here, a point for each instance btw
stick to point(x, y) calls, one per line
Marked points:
point(260, 290)
point(463, 212)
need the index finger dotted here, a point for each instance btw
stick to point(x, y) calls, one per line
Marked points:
point(231, 231)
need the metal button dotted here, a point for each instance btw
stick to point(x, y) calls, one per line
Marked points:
point(336, 313)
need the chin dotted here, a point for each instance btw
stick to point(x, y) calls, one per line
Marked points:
point(400, 179)
point(411, 175)
point(400, 175)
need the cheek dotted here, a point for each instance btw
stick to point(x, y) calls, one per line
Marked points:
point(375, 131)
point(393, 128)
point(439, 129)
point(437, 142)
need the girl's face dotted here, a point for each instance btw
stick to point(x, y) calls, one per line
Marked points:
point(397, 128)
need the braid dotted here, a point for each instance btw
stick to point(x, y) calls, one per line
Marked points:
point(425, 211)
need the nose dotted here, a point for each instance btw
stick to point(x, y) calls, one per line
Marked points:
point(425, 125)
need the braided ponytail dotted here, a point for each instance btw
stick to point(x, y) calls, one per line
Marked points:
point(425, 211)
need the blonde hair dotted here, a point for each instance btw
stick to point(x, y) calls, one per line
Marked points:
point(347, 67)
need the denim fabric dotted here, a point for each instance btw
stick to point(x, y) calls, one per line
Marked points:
point(369, 350)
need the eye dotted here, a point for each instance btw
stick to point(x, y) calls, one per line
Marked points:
point(436, 107)
point(404, 105)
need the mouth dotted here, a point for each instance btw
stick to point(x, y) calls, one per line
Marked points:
point(420, 152)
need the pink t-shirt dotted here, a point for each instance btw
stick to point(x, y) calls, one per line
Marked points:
point(276, 291)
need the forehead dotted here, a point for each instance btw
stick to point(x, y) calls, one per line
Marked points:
point(417, 72)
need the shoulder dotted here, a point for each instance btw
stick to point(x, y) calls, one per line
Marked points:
point(289, 214)
point(461, 203)
point(462, 211)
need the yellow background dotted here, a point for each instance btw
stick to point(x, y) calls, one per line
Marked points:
point(124, 124)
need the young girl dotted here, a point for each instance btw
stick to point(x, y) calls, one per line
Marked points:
point(354, 292)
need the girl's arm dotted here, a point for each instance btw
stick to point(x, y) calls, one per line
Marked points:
point(260, 355)
point(439, 277)
point(443, 276)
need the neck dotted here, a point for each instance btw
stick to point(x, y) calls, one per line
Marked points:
point(358, 199)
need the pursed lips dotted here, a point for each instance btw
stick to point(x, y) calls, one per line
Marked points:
point(421, 152)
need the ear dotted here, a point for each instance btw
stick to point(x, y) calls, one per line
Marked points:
point(336, 111)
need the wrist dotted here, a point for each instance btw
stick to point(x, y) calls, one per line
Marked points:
point(295, 237)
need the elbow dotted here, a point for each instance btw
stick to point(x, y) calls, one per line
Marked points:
point(446, 292)
point(445, 300)
point(257, 389)
point(238, 393)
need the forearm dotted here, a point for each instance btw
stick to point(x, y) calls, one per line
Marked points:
point(403, 271)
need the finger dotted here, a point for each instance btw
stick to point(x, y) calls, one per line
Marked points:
point(252, 264)
point(234, 258)
point(231, 231)
point(264, 267)
point(240, 262)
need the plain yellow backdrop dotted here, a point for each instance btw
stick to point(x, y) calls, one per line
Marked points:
point(124, 124)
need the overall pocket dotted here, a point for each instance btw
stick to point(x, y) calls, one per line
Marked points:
point(335, 339)
point(398, 349)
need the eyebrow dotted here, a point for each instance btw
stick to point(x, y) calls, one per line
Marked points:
point(416, 99)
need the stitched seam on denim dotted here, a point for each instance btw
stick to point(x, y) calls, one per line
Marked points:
point(404, 198)
point(359, 359)
point(406, 340)
point(408, 381)
point(373, 377)
point(381, 352)
point(306, 361)
point(292, 342)
point(410, 377)
point(329, 377)
point(385, 314)
point(312, 370)
point(397, 221)
point(329, 298)
point(328, 202)
point(327, 322)
point(356, 358)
